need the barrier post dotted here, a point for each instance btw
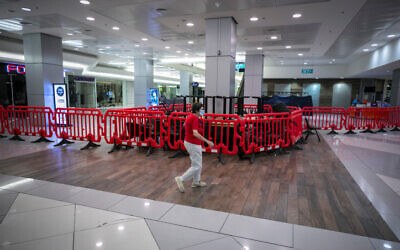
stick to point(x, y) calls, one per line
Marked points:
point(3, 118)
point(395, 118)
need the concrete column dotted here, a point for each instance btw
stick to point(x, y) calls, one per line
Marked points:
point(186, 79)
point(220, 58)
point(43, 63)
point(395, 91)
point(253, 77)
point(144, 79)
point(128, 94)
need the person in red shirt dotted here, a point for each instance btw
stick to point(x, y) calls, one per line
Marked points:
point(193, 139)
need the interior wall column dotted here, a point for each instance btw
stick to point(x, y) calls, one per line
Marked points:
point(253, 77)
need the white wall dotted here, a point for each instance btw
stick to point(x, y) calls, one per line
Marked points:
point(313, 89)
point(341, 96)
point(323, 71)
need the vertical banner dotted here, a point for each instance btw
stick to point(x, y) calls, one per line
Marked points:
point(152, 97)
point(60, 101)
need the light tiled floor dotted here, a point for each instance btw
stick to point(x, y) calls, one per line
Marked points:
point(39, 223)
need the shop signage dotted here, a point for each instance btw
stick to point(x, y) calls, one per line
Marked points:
point(13, 68)
point(195, 84)
point(240, 67)
point(307, 71)
point(60, 100)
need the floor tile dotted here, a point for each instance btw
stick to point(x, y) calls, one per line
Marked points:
point(393, 222)
point(257, 245)
point(25, 185)
point(36, 224)
point(122, 236)
point(384, 245)
point(55, 191)
point(144, 208)
point(393, 183)
point(220, 244)
point(60, 242)
point(6, 200)
point(259, 229)
point(319, 239)
point(195, 217)
point(26, 203)
point(86, 218)
point(95, 198)
point(171, 237)
point(7, 181)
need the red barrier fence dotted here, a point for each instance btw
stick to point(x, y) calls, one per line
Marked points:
point(3, 120)
point(78, 124)
point(27, 120)
point(176, 132)
point(130, 128)
point(394, 117)
point(267, 108)
point(293, 108)
point(264, 132)
point(362, 118)
point(179, 107)
point(325, 117)
point(223, 131)
point(296, 126)
point(163, 108)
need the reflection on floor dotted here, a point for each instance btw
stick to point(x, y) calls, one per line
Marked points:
point(309, 187)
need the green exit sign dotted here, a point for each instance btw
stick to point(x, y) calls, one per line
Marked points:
point(307, 71)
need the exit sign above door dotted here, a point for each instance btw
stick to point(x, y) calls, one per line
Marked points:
point(307, 71)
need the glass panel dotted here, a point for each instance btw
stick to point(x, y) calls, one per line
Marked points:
point(109, 93)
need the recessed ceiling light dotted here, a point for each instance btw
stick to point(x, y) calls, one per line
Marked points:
point(274, 37)
point(26, 9)
point(99, 244)
point(254, 19)
point(190, 42)
point(144, 53)
point(144, 39)
point(121, 228)
point(288, 47)
point(186, 54)
point(70, 34)
point(115, 28)
point(89, 18)
point(167, 47)
point(330, 62)
point(374, 44)
point(333, 60)
point(296, 15)
point(365, 50)
point(259, 48)
point(189, 24)
point(108, 47)
point(391, 35)
point(178, 51)
point(305, 63)
point(137, 45)
point(85, 2)
point(300, 54)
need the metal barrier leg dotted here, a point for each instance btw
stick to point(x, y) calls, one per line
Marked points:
point(3, 136)
point(221, 159)
point(252, 158)
point(395, 129)
point(42, 139)
point(368, 130)
point(381, 130)
point(116, 147)
point(63, 142)
point(333, 132)
point(150, 151)
point(90, 145)
point(350, 132)
point(16, 138)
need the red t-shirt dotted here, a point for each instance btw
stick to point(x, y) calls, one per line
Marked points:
point(192, 123)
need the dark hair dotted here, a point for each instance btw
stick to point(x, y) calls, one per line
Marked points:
point(196, 107)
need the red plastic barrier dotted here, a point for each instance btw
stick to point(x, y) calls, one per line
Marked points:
point(362, 118)
point(267, 108)
point(325, 117)
point(3, 118)
point(394, 117)
point(247, 108)
point(223, 131)
point(293, 108)
point(179, 107)
point(163, 108)
point(140, 128)
point(296, 126)
point(263, 132)
point(26, 120)
point(78, 124)
point(175, 132)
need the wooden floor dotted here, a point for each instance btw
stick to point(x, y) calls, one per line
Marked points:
point(309, 187)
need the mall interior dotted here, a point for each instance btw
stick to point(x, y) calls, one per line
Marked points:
point(302, 106)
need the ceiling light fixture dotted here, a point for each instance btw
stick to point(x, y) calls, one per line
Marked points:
point(254, 19)
point(70, 34)
point(186, 54)
point(306, 63)
point(115, 28)
point(365, 50)
point(333, 60)
point(137, 45)
point(26, 9)
point(374, 45)
point(121, 228)
point(391, 35)
point(89, 18)
point(178, 51)
point(85, 2)
point(167, 47)
point(144, 39)
point(190, 42)
point(288, 47)
point(189, 24)
point(296, 15)
point(108, 47)
point(300, 54)
point(99, 244)
point(274, 37)
point(259, 48)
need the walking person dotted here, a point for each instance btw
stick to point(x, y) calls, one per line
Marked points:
point(193, 139)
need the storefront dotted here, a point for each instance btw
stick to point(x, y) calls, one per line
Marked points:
point(12, 84)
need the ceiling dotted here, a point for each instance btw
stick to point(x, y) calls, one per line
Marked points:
point(329, 31)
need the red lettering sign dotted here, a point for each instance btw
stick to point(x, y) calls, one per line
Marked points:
point(20, 69)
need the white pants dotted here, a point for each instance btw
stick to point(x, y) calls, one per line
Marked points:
point(195, 154)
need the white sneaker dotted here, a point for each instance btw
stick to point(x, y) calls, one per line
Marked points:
point(180, 184)
point(199, 185)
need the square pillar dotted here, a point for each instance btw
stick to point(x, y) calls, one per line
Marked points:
point(253, 77)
